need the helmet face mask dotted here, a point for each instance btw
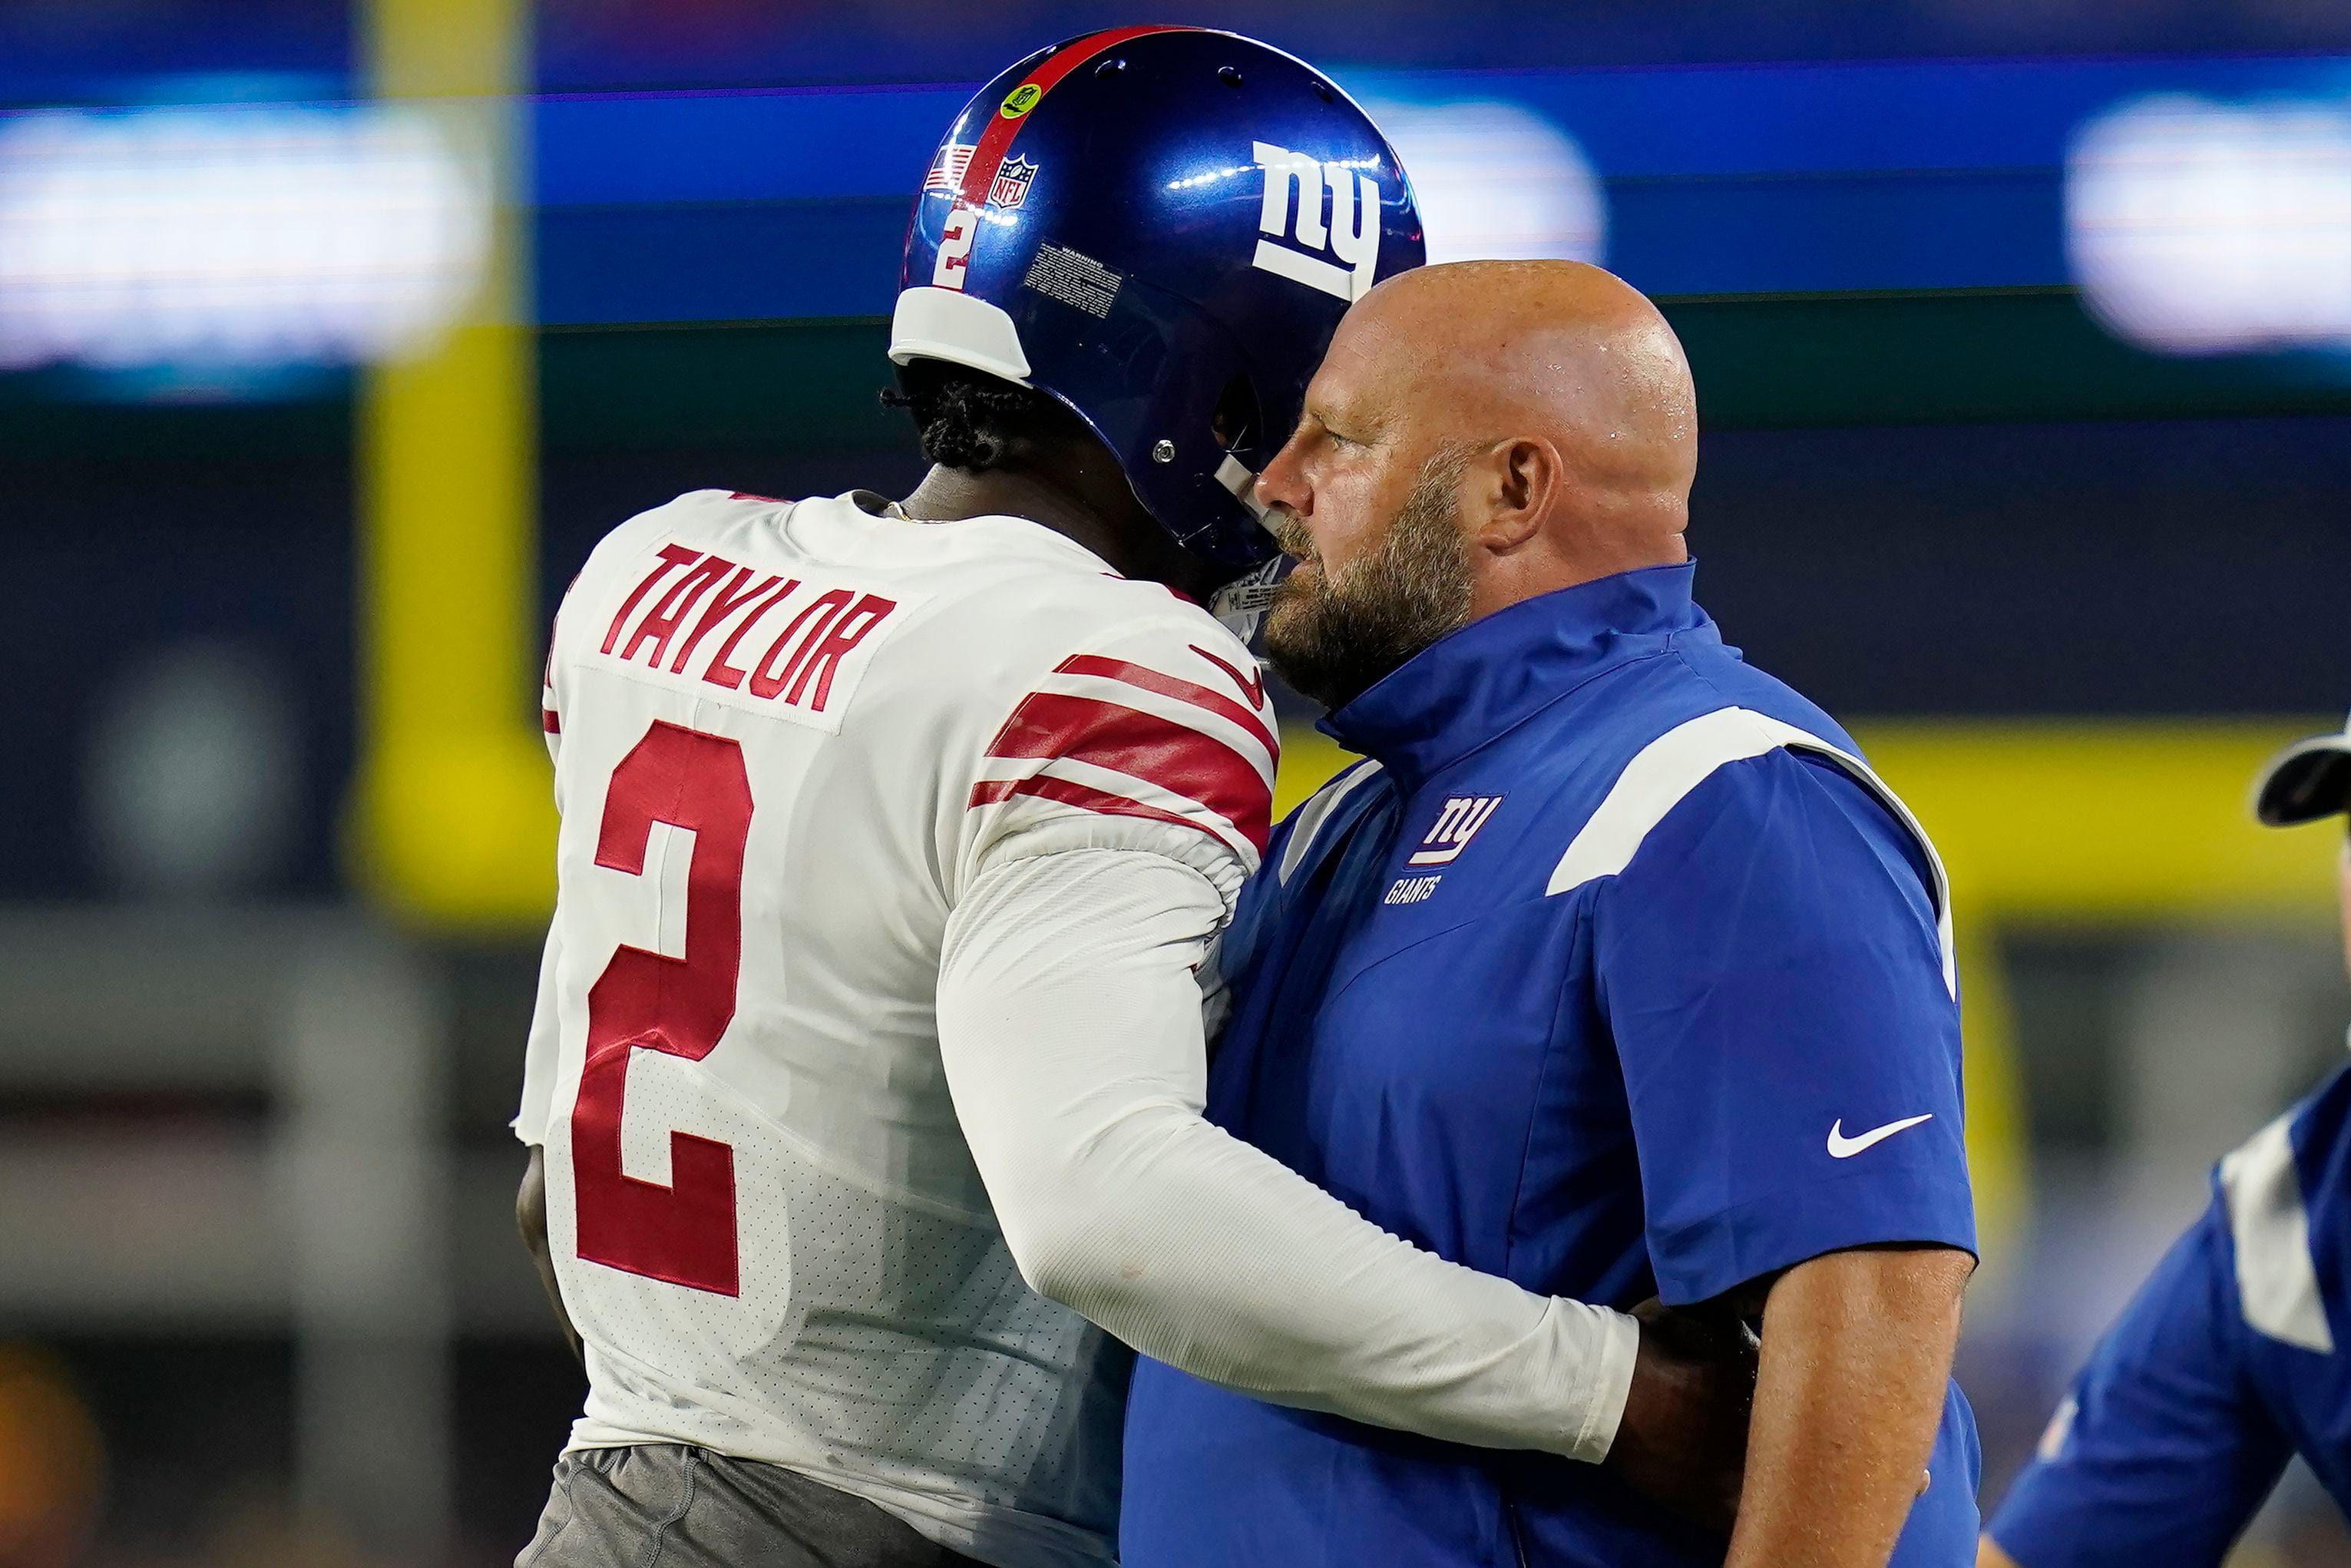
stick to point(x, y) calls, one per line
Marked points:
point(1160, 227)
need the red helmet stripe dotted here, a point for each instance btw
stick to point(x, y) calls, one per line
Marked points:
point(996, 140)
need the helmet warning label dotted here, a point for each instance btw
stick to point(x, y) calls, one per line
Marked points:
point(1073, 278)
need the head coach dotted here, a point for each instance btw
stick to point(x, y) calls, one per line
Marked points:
point(1612, 970)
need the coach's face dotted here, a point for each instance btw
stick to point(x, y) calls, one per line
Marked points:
point(1366, 495)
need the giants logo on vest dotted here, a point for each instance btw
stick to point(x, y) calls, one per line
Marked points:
point(1457, 825)
point(1353, 234)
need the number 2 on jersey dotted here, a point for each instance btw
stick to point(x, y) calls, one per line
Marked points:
point(684, 1232)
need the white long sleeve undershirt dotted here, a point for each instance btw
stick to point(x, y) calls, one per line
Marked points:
point(1070, 1023)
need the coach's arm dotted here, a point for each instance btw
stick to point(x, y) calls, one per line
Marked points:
point(1856, 1355)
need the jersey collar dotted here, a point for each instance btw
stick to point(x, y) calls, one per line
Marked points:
point(1497, 673)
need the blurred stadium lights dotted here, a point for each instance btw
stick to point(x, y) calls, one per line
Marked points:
point(194, 772)
point(1497, 182)
point(285, 235)
point(2200, 227)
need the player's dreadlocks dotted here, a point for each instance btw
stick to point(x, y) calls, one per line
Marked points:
point(967, 419)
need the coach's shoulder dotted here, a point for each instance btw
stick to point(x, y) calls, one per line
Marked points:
point(1698, 678)
point(1731, 782)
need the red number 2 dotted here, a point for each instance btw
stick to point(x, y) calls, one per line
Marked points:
point(684, 1232)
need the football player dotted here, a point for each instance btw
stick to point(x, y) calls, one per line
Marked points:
point(865, 1082)
point(2230, 1359)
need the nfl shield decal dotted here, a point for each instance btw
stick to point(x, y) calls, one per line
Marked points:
point(1012, 186)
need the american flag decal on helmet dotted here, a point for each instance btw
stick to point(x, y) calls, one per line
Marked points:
point(1124, 739)
point(947, 169)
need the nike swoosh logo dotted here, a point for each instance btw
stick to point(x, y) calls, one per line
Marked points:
point(1843, 1148)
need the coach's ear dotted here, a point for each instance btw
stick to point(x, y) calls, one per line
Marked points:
point(1511, 490)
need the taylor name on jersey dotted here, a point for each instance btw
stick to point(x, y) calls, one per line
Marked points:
point(788, 736)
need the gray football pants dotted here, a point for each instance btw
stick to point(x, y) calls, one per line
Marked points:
point(663, 1506)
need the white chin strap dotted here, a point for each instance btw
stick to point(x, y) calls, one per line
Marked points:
point(1241, 603)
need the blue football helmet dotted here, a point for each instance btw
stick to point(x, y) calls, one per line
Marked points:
point(1160, 227)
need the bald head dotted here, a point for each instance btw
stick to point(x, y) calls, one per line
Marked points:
point(1509, 427)
point(1552, 348)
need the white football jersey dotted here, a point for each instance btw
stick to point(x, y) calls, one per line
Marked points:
point(787, 736)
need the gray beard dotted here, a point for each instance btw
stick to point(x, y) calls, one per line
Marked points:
point(1332, 639)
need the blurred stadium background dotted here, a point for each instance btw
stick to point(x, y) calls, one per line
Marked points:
point(332, 337)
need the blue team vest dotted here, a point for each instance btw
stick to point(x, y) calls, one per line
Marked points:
point(1439, 1017)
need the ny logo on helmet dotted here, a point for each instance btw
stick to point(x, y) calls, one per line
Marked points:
point(1352, 233)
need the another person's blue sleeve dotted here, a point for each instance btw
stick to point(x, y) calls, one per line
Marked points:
point(2162, 1453)
point(1772, 972)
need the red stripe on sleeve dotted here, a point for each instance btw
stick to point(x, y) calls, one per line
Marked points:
point(1177, 758)
point(550, 721)
point(1168, 685)
point(988, 792)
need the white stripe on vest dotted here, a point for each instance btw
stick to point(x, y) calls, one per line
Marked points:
point(1667, 769)
point(2277, 1283)
point(1317, 811)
